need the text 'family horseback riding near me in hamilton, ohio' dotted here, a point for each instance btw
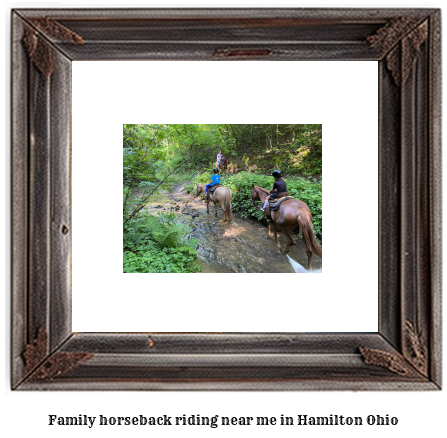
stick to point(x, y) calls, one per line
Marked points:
point(215, 421)
point(222, 198)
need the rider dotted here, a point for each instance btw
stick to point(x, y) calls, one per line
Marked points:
point(219, 159)
point(215, 179)
point(279, 186)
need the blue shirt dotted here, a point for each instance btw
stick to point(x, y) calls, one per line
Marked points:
point(215, 179)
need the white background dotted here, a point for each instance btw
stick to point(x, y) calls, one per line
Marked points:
point(192, 92)
point(420, 414)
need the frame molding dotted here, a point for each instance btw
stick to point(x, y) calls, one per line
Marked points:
point(406, 352)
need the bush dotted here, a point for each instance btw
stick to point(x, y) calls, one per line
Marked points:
point(241, 187)
point(155, 243)
point(203, 178)
point(183, 176)
point(310, 192)
point(155, 260)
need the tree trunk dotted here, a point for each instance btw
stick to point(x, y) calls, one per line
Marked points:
point(238, 145)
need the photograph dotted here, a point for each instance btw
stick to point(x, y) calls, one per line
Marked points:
point(223, 198)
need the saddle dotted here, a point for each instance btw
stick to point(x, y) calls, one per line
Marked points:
point(212, 189)
point(273, 205)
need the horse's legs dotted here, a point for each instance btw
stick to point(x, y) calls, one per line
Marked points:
point(222, 207)
point(208, 207)
point(215, 207)
point(309, 258)
point(272, 229)
point(291, 241)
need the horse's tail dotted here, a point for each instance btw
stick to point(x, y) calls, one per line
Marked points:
point(227, 204)
point(305, 222)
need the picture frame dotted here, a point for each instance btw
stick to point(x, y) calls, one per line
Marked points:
point(405, 353)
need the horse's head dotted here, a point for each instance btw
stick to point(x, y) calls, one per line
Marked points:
point(199, 189)
point(254, 195)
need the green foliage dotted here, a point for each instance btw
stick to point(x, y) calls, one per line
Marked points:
point(166, 260)
point(183, 176)
point(135, 167)
point(295, 149)
point(310, 192)
point(202, 178)
point(151, 152)
point(241, 187)
point(155, 243)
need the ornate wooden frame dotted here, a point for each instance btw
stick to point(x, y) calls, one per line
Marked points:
point(405, 354)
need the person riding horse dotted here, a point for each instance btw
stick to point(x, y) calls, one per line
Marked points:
point(292, 213)
point(279, 187)
point(219, 159)
point(215, 179)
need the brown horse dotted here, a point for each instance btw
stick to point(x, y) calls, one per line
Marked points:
point(291, 214)
point(221, 195)
point(223, 163)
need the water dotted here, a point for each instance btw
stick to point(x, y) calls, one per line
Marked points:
point(299, 269)
point(241, 246)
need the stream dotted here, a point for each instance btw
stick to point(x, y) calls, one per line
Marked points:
point(240, 246)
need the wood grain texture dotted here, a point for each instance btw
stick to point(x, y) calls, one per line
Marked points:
point(389, 214)
point(301, 34)
point(36, 351)
point(60, 202)
point(224, 343)
point(435, 195)
point(409, 213)
point(414, 188)
point(39, 200)
point(204, 51)
point(346, 15)
point(19, 201)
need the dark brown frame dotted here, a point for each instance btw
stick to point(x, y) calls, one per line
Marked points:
point(405, 354)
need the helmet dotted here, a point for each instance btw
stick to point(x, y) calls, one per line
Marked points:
point(276, 174)
point(216, 170)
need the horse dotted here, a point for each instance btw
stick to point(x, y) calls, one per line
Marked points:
point(223, 163)
point(221, 195)
point(291, 213)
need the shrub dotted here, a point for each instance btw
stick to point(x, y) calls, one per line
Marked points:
point(310, 192)
point(156, 260)
point(155, 243)
point(241, 187)
point(203, 178)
